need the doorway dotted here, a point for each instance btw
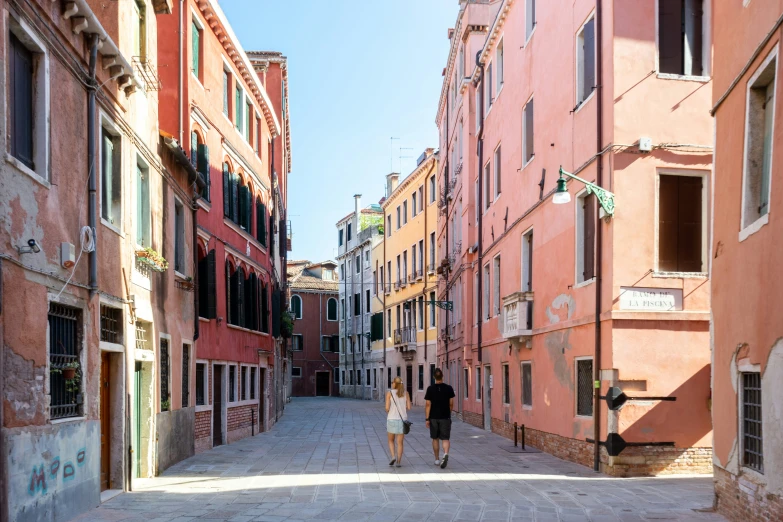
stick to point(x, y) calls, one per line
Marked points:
point(488, 398)
point(321, 384)
point(261, 399)
point(217, 406)
point(105, 423)
point(409, 380)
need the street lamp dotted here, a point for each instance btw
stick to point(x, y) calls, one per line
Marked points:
point(605, 198)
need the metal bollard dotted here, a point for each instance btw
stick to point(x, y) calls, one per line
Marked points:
point(515, 434)
point(523, 436)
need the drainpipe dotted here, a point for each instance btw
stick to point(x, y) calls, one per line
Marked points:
point(446, 192)
point(386, 281)
point(598, 235)
point(91, 92)
point(179, 70)
point(480, 146)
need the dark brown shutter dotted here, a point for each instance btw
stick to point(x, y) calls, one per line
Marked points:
point(21, 82)
point(589, 61)
point(670, 36)
point(668, 228)
point(689, 239)
point(211, 284)
point(243, 192)
point(234, 198)
point(589, 234)
point(240, 297)
point(529, 130)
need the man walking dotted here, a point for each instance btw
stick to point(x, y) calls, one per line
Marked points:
point(439, 403)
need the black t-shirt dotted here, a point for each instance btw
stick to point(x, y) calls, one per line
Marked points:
point(439, 396)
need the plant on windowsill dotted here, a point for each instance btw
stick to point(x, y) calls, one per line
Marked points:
point(152, 259)
point(186, 284)
point(286, 325)
point(165, 405)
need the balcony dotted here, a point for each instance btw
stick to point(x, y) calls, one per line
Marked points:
point(405, 341)
point(517, 323)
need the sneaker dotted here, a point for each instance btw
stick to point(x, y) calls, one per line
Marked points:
point(445, 461)
point(437, 462)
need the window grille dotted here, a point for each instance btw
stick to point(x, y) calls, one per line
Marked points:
point(243, 383)
point(584, 391)
point(200, 384)
point(164, 375)
point(252, 383)
point(752, 440)
point(111, 324)
point(141, 336)
point(232, 379)
point(506, 391)
point(64, 344)
point(185, 376)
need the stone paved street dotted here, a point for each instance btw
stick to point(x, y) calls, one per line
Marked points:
point(327, 460)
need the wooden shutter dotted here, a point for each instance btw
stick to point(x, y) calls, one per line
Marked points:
point(668, 229)
point(243, 206)
point(234, 198)
point(271, 237)
point(21, 82)
point(249, 211)
point(670, 37)
point(588, 204)
point(203, 288)
point(529, 129)
point(264, 309)
point(195, 50)
point(203, 168)
point(589, 59)
point(194, 149)
point(376, 327)
point(241, 287)
point(226, 192)
point(693, 26)
point(529, 263)
point(689, 241)
point(261, 218)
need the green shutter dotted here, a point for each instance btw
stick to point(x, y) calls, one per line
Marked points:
point(243, 193)
point(376, 327)
point(203, 168)
point(195, 51)
point(226, 192)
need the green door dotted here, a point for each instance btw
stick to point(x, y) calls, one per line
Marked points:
point(136, 435)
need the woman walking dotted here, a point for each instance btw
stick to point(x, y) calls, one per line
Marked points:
point(397, 405)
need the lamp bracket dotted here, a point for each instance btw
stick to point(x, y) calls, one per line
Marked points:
point(605, 198)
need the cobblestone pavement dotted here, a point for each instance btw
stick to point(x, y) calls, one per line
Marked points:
point(327, 459)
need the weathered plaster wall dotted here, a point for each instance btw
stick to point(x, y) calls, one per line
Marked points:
point(176, 436)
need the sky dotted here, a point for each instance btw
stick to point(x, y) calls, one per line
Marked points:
point(359, 73)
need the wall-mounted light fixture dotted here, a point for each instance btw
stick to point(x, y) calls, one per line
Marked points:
point(605, 198)
point(31, 248)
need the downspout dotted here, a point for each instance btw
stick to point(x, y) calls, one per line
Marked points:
point(598, 235)
point(179, 70)
point(320, 335)
point(480, 146)
point(386, 280)
point(446, 167)
point(92, 212)
point(361, 312)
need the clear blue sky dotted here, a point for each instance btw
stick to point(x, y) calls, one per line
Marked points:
point(359, 72)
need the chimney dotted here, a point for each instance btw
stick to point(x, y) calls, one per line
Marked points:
point(357, 202)
point(392, 180)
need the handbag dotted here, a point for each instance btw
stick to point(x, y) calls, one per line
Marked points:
point(406, 425)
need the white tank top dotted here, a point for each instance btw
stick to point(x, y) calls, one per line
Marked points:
point(399, 412)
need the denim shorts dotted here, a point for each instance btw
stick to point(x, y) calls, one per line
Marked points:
point(394, 426)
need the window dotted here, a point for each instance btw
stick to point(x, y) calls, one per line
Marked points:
point(486, 292)
point(337, 376)
point(530, 18)
point(758, 142)
point(461, 61)
point(478, 383)
point(232, 383)
point(367, 381)
point(261, 219)
point(179, 237)
point(239, 114)
point(414, 265)
point(328, 274)
point(432, 310)
point(421, 257)
point(374, 378)
point(421, 377)
point(496, 287)
point(207, 286)
point(340, 237)
point(243, 383)
point(414, 207)
point(195, 51)
point(185, 375)
point(497, 172)
point(388, 226)
point(432, 251)
point(388, 378)
point(296, 306)
point(140, 30)
point(344, 383)
point(342, 307)
point(226, 93)
point(357, 304)
point(478, 106)
point(143, 234)
point(111, 178)
point(420, 310)
point(200, 376)
point(680, 242)
point(296, 371)
point(477, 197)
point(297, 342)
point(488, 89)
point(348, 232)
point(499, 61)
point(421, 198)
point(585, 64)
point(252, 383)
point(388, 324)
point(506, 385)
point(248, 123)
point(432, 189)
point(342, 271)
point(465, 378)
point(404, 266)
point(584, 387)
point(64, 352)
point(459, 141)
point(487, 186)
point(681, 41)
point(358, 377)
point(527, 384)
point(585, 237)
point(405, 212)
point(751, 422)
point(165, 373)
point(331, 309)
point(527, 261)
point(528, 133)
point(357, 261)
point(367, 301)
point(111, 324)
point(432, 374)
point(399, 218)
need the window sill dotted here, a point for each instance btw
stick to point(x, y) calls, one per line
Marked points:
point(111, 227)
point(584, 102)
point(584, 283)
point(243, 329)
point(67, 419)
point(680, 275)
point(525, 407)
point(754, 227)
point(195, 77)
point(204, 204)
point(237, 404)
point(528, 162)
point(683, 77)
point(583, 417)
point(203, 320)
point(111, 347)
point(527, 40)
point(203, 407)
point(24, 169)
point(179, 275)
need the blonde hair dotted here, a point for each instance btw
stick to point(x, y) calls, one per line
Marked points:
point(397, 384)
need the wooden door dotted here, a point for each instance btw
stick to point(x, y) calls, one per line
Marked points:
point(105, 422)
point(322, 384)
point(217, 406)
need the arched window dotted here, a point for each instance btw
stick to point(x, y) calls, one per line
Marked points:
point(331, 309)
point(296, 306)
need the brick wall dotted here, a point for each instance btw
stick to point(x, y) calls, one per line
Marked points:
point(476, 419)
point(203, 431)
point(742, 499)
point(239, 422)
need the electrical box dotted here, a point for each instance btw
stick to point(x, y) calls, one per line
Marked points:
point(67, 255)
point(645, 144)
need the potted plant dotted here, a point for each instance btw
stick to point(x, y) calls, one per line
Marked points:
point(69, 370)
point(153, 259)
point(286, 325)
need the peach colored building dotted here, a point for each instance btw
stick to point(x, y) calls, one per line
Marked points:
point(552, 298)
point(747, 324)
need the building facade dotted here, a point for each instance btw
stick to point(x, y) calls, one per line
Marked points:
point(315, 370)
point(747, 327)
point(404, 283)
point(558, 297)
point(357, 234)
point(217, 102)
point(98, 246)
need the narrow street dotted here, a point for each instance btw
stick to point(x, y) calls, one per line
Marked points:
point(327, 459)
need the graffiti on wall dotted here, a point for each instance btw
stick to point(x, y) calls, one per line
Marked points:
point(40, 473)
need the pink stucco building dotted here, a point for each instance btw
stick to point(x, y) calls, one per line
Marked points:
point(552, 298)
point(747, 250)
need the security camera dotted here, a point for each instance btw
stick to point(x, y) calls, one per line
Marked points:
point(33, 246)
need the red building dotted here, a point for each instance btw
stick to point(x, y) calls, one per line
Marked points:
point(316, 340)
point(236, 132)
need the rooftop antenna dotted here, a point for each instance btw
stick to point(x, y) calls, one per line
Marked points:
point(401, 156)
point(391, 154)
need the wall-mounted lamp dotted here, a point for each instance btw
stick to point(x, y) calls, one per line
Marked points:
point(604, 197)
point(31, 248)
